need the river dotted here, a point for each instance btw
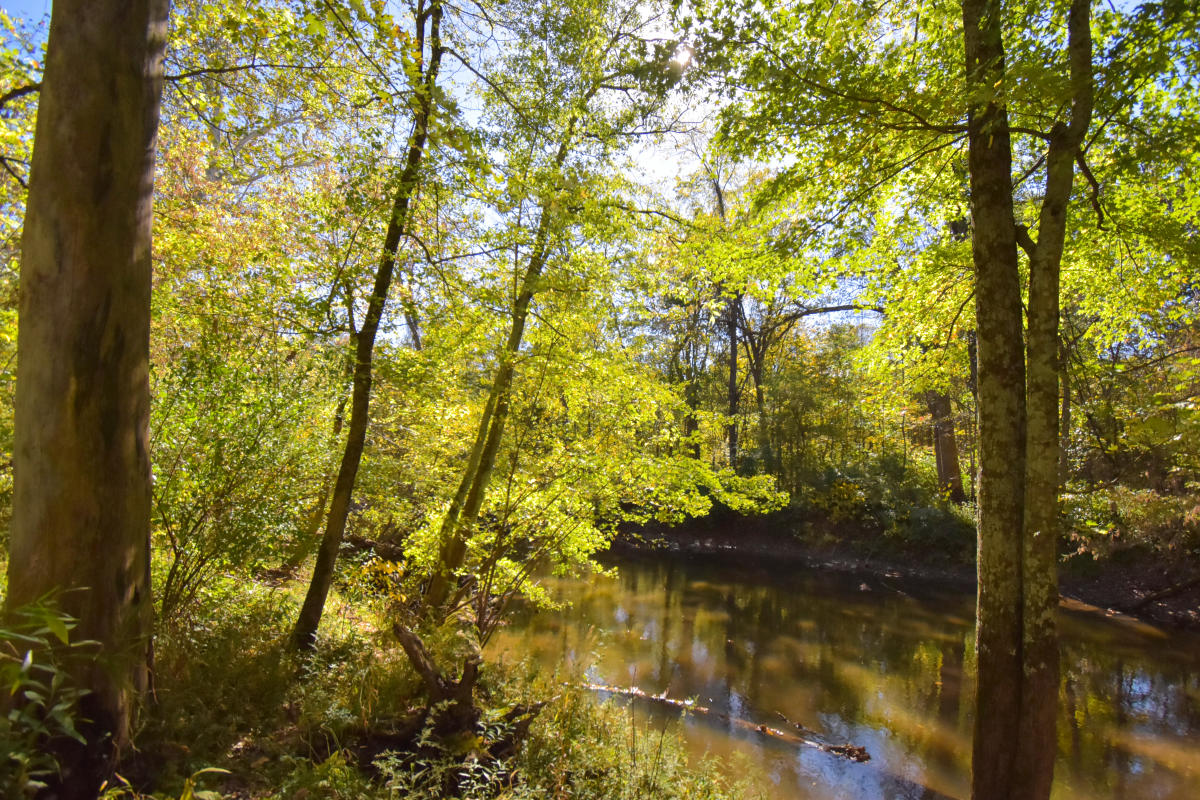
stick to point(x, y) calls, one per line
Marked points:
point(868, 661)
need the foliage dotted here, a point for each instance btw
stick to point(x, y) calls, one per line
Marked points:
point(229, 696)
point(242, 380)
point(580, 750)
point(767, 331)
point(37, 660)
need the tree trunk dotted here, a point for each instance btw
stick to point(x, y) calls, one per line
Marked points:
point(304, 634)
point(464, 508)
point(308, 539)
point(81, 506)
point(1001, 385)
point(945, 446)
point(731, 331)
point(691, 397)
point(1039, 701)
point(1018, 670)
point(766, 461)
point(1064, 420)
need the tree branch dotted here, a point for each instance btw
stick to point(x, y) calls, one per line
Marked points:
point(7, 164)
point(1026, 241)
point(196, 73)
point(20, 91)
point(1094, 196)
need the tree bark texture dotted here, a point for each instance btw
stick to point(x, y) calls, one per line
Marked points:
point(304, 633)
point(1001, 390)
point(731, 333)
point(81, 507)
point(1039, 701)
point(1018, 764)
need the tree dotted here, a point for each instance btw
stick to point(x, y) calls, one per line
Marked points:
point(1016, 639)
point(870, 79)
point(81, 510)
point(428, 27)
point(601, 72)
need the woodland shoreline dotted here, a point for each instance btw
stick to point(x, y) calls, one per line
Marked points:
point(1145, 586)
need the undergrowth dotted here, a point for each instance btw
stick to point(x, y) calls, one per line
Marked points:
point(230, 697)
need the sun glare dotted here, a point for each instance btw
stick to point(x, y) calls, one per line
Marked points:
point(682, 57)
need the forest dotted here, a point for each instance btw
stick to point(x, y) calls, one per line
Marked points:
point(600, 399)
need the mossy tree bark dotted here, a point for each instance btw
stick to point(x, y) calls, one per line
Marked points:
point(1001, 408)
point(81, 506)
point(1017, 643)
point(1039, 646)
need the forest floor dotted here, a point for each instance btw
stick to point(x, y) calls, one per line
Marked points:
point(1154, 587)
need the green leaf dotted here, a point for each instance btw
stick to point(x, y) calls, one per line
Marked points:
point(58, 627)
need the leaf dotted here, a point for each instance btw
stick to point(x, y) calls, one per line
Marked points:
point(58, 627)
point(314, 25)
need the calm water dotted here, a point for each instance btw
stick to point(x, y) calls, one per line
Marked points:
point(870, 662)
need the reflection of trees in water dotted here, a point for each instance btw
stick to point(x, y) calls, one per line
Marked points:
point(772, 644)
point(1127, 720)
point(879, 663)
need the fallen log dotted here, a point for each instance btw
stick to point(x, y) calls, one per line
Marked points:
point(802, 737)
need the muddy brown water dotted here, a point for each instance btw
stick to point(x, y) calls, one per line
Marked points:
point(868, 661)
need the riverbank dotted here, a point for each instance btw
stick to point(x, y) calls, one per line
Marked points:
point(1159, 590)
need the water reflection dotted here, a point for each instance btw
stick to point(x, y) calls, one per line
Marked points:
point(873, 663)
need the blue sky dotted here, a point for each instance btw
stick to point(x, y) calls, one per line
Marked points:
point(29, 9)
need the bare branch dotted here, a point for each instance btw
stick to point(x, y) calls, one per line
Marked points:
point(1094, 196)
point(7, 164)
point(20, 91)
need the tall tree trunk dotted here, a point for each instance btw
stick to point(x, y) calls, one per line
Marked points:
point(1039, 701)
point(731, 332)
point(1064, 419)
point(765, 458)
point(464, 508)
point(756, 356)
point(308, 539)
point(81, 506)
point(945, 446)
point(304, 634)
point(696, 360)
point(1018, 674)
point(691, 397)
point(1001, 385)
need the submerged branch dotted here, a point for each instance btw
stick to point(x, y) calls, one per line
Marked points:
point(848, 751)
